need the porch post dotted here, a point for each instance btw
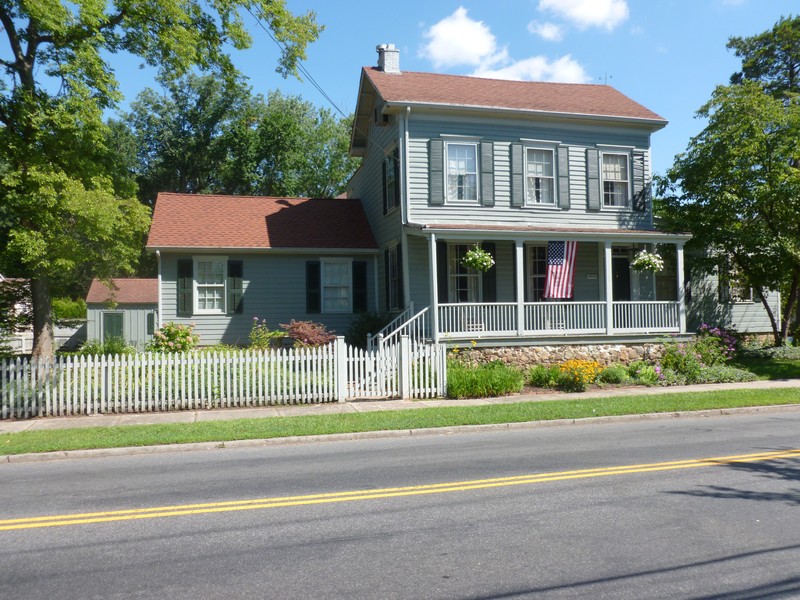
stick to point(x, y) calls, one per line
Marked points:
point(681, 289)
point(434, 288)
point(519, 250)
point(609, 287)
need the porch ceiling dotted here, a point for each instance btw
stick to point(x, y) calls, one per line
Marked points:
point(540, 233)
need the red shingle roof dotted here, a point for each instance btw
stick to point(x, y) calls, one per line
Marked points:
point(215, 221)
point(124, 291)
point(536, 96)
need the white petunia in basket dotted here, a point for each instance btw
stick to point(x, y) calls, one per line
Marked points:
point(477, 258)
point(647, 261)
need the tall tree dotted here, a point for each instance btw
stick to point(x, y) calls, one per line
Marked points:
point(772, 57)
point(736, 189)
point(60, 208)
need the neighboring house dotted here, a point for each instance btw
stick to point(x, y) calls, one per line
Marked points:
point(452, 161)
point(123, 308)
point(225, 260)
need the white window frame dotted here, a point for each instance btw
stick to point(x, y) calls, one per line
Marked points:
point(626, 200)
point(474, 144)
point(553, 177)
point(457, 271)
point(732, 280)
point(196, 285)
point(324, 263)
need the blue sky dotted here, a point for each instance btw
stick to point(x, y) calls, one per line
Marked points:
point(666, 54)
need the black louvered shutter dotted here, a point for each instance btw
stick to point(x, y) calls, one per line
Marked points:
point(441, 274)
point(436, 172)
point(313, 287)
point(399, 267)
point(641, 191)
point(517, 176)
point(563, 177)
point(487, 173)
point(185, 286)
point(235, 287)
point(592, 179)
point(359, 286)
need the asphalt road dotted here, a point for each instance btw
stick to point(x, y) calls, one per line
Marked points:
point(625, 510)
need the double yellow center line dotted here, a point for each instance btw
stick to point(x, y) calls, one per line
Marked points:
point(414, 490)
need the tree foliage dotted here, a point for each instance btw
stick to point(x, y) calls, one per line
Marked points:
point(206, 135)
point(64, 205)
point(736, 189)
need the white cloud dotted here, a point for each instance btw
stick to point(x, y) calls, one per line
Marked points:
point(606, 14)
point(539, 68)
point(548, 31)
point(459, 40)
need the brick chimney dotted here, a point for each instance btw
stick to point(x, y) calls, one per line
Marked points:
point(388, 58)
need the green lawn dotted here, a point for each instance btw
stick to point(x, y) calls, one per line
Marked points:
point(244, 429)
point(774, 368)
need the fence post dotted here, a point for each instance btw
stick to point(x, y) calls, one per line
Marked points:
point(404, 367)
point(340, 367)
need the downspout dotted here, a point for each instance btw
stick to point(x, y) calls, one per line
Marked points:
point(158, 312)
point(405, 208)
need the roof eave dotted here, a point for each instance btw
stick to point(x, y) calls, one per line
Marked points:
point(260, 249)
point(545, 234)
point(653, 124)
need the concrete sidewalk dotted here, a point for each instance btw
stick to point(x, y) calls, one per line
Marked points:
point(193, 416)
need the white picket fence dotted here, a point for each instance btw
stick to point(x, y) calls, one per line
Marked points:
point(149, 382)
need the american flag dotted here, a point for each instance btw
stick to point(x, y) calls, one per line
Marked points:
point(560, 269)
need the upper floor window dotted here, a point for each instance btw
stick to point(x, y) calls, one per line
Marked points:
point(616, 179)
point(391, 181)
point(462, 171)
point(540, 179)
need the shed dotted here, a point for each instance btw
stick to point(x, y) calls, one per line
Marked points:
point(122, 308)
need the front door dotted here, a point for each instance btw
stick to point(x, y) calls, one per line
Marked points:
point(621, 278)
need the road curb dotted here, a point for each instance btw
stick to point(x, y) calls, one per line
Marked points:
point(367, 435)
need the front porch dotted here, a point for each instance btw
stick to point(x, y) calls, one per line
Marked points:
point(505, 305)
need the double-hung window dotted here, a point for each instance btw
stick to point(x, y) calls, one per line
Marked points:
point(464, 282)
point(616, 179)
point(209, 284)
point(540, 180)
point(537, 272)
point(391, 181)
point(462, 171)
point(337, 281)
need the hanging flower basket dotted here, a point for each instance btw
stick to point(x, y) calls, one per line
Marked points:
point(477, 258)
point(648, 261)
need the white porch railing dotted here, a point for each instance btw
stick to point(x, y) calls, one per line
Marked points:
point(416, 328)
point(499, 319)
point(495, 318)
point(563, 318)
point(646, 317)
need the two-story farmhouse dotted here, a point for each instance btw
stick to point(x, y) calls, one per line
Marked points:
point(551, 180)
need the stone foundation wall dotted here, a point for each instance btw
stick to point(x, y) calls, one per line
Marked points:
point(529, 356)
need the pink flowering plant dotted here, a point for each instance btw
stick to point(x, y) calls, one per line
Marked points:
point(173, 337)
point(262, 337)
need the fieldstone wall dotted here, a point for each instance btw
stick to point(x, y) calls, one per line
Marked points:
point(528, 356)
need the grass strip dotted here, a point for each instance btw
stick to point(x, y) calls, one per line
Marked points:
point(420, 418)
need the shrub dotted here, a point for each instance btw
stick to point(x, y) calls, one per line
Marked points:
point(644, 373)
point(724, 374)
point(683, 359)
point(363, 325)
point(66, 309)
point(541, 376)
point(670, 377)
point(173, 337)
point(262, 337)
point(308, 333)
point(716, 344)
point(613, 374)
point(488, 380)
point(773, 352)
point(113, 345)
point(576, 375)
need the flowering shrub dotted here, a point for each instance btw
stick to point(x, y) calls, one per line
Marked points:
point(261, 336)
point(648, 261)
point(477, 258)
point(682, 359)
point(577, 374)
point(308, 333)
point(645, 373)
point(716, 344)
point(173, 337)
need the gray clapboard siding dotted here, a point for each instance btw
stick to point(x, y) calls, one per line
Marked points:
point(746, 317)
point(274, 289)
point(134, 322)
point(504, 132)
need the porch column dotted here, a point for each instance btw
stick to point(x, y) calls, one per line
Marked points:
point(609, 287)
point(519, 274)
point(681, 289)
point(434, 288)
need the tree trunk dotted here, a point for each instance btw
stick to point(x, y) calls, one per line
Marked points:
point(776, 328)
point(42, 318)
